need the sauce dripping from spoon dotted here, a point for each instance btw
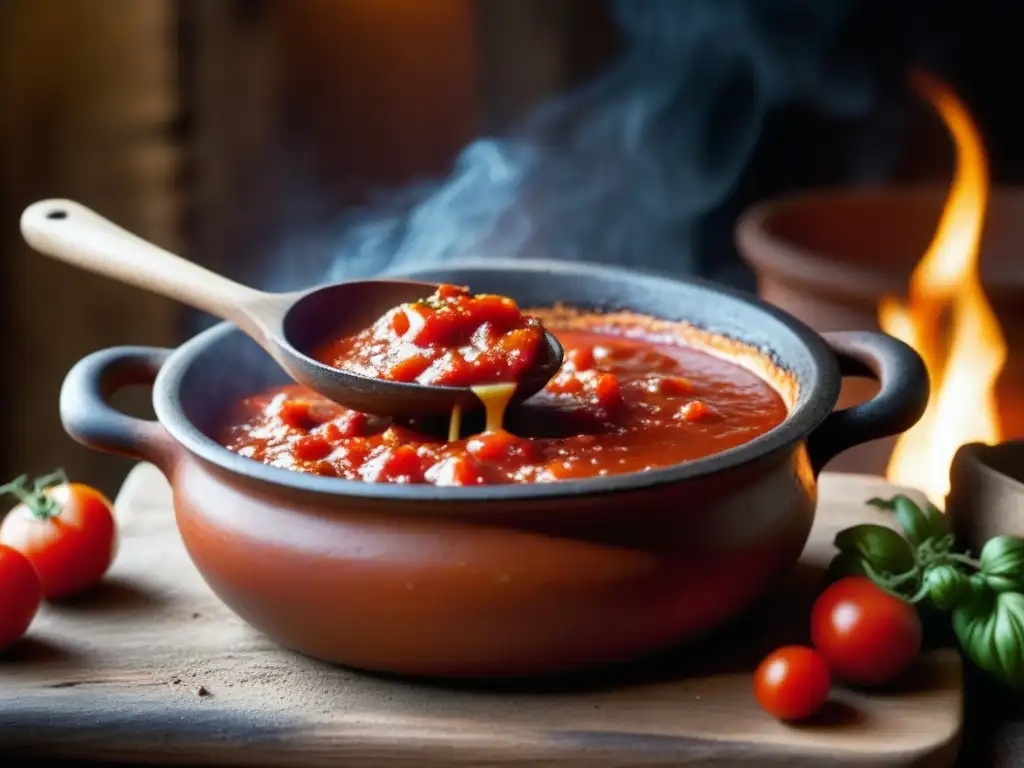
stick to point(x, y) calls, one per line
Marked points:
point(495, 398)
point(455, 424)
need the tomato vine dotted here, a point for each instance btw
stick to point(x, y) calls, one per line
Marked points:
point(983, 596)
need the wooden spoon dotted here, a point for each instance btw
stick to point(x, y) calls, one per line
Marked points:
point(287, 325)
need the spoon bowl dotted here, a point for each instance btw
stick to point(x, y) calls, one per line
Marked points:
point(302, 328)
point(289, 326)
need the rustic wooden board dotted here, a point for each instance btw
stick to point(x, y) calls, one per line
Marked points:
point(152, 668)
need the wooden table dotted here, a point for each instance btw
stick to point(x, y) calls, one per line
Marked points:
point(156, 643)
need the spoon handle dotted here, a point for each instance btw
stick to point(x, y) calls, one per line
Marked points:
point(72, 233)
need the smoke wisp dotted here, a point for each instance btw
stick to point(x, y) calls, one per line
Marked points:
point(621, 170)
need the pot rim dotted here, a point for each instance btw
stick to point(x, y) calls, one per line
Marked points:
point(977, 457)
point(816, 398)
point(794, 263)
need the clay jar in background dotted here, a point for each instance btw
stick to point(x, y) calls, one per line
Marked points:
point(986, 495)
point(828, 256)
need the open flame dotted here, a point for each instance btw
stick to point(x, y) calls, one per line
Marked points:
point(948, 319)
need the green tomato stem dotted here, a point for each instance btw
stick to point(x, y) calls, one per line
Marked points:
point(921, 594)
point(41, 505)
point(903, 578)
point(963, 560)
point(889, 583)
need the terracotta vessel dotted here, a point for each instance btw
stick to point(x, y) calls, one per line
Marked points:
point(506, 580)
point(986, 496)
point(828, 256)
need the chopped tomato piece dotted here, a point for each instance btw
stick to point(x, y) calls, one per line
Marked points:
point(396, 434)
point(411, 367)
point(324, 468)
point(564, 469)
point(517, 350)
point(311, 448)
point(321, 413)
point(348, 424)
point(457, 470)
point(424, 326)
point(448, 370)
point(565, 383)
point(499, 446)
point(448, 291)
point(581, 358)
point(399, 322)
point(353, 452)
point(500, 310)
point(670, 386)
point(608, 391)
point(393, 464)
point(486, 336)
point(305, 414)
point(295, 413)
point(694, 411)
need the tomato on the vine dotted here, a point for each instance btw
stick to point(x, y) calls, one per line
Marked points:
point(20, 595)
point(65, 529)
point(867, 636)
point(792, 683)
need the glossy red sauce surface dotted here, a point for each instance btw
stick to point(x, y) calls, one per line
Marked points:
point(618, 405)
point(451, 338)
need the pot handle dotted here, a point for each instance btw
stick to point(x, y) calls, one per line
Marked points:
point(898, 405)
point(88, 417)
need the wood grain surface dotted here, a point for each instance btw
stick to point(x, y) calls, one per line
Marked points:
point(151, 668)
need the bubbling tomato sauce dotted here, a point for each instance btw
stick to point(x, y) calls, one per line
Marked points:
point(452, 338)
point(619, 404)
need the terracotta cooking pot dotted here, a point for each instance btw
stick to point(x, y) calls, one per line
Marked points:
point(500, 580)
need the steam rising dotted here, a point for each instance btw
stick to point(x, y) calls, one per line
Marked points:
point(622, 170)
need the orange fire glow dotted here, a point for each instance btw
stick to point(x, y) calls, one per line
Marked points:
point(948, 319)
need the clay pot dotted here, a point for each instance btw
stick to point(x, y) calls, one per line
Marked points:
point(828, 257)
point(498, 580)
point(986, 496)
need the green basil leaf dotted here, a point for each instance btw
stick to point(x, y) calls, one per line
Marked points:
point(937, 522)
point(947, 586)
point(918, 524)
point(1002, 563)
point(912, 520)
point(973, 625)
point(1009, 632)
point(990, 629)
point(845, 564)
point(882, 548)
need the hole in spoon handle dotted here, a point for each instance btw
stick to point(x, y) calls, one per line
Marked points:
point(72, 233)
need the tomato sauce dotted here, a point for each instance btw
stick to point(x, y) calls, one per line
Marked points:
point(451, 338)
point(618, 404)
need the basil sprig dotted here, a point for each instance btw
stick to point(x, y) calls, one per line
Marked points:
point(984, 597)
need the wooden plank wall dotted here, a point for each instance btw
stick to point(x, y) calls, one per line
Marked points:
point(90, 111)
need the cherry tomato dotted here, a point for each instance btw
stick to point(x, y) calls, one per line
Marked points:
point(867, 636)
point(792, 682)
point(20, 594)
point(66, 530)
